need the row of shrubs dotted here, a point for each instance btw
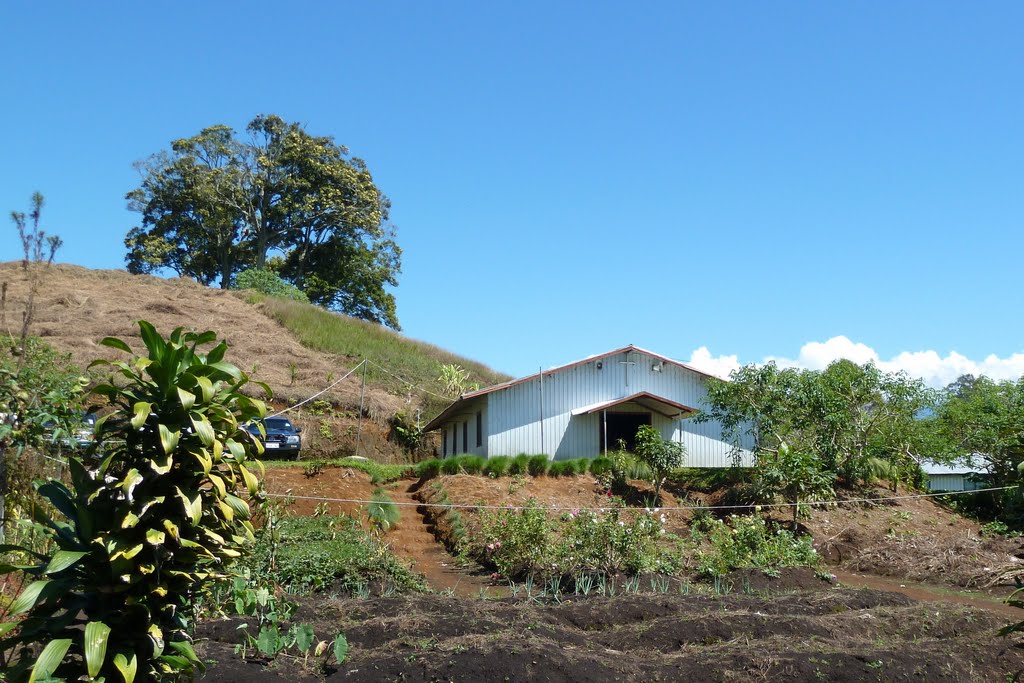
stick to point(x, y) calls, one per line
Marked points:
point(525, 464)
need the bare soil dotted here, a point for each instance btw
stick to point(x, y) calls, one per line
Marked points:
point(835, 634)
point(797, 627)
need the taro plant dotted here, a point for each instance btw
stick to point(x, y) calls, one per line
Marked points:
point(150, 522)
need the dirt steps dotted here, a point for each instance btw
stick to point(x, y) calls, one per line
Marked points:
point(412, 539)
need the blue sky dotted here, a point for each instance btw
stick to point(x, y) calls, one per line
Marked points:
point(718, 182)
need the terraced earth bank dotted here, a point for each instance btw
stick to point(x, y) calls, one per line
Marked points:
point(832, 634)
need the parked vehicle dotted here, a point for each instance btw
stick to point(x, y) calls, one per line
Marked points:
point(282, 439)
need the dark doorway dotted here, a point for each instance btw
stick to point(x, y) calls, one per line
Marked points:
point(622, 426)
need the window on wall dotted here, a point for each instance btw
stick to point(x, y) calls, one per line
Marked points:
point(465, 435)
point(455, 438)
point(479, 429)
point(444, 448)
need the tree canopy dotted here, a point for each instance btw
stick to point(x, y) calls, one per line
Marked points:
point(846, 416)
point(216, 204)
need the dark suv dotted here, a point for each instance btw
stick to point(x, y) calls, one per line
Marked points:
point(282, 441)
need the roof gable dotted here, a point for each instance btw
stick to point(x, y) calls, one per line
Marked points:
point(470, 396)
point(591, 359)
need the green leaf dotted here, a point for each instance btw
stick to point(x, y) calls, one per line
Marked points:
point(269, 641)
point(152, 339)
point(142, 409)
point(187, 398)
point(228, 369)
point(206, 387)
point(216, 354)
point(155, 537)
point(62, 559)
point(115, 343)
point(183, 647)
point(168, 439)
point(60, 497)
point(9, 626)
point(28, 598)
point(49, 659)
point(240, 507)
point(304, 637)
point(126, 665)
point(340, 648)
point(236, 449)
point(96, 636)
point(203, 428)
point(251, 482)
point(131, 480)
point(193, 506)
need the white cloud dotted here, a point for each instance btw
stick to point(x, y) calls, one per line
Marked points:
point(936, 370)
point(719, 366)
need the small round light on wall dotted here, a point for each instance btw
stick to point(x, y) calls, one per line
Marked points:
point(600, 365)
point(656, 367)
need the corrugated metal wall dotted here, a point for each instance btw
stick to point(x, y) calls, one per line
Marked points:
point(513, 420)
point(953, 482)
point(462, 425)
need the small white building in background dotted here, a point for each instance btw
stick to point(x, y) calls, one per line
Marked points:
point(960, 476)
point(583, 409)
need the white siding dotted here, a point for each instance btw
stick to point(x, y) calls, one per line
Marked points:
point(453, 427)
point(953, 482)
point(514, 414)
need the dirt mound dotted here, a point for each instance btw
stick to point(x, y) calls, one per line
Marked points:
point(915, 539)
point(835, 635)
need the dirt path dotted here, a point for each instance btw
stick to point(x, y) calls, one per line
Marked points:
point(928, 593)
point(412, 539)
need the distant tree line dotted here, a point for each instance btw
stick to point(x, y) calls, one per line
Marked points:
point(853, 424)
point(280, 200)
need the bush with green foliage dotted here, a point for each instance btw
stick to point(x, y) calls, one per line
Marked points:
point(537, 465)
point(519, 464)
point(40, 406)
point(798, 476)
point(528, 542)
point(270, 283)
point(497, 466)
point(750, 542)
point(382, 511)
point(327, 553)
point(660, 455)
point(152, 520)
point(428, 469)
point(471, 464)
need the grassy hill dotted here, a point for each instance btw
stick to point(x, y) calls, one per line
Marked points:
point(297, 349)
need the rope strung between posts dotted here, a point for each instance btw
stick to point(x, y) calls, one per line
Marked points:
point(559, 508)
point(408, 383)
point(321, 392)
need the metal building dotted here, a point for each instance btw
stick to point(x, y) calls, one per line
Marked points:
point(585, 408)
point(958, 476)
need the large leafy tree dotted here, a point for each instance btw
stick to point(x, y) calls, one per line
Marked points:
point(983, 420)
point(216, 204)
point(844, 416)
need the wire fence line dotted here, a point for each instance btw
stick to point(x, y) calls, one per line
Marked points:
point(322, 391)
point(671, 508)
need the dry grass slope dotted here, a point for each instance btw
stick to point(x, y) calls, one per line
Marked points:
point(77, 307)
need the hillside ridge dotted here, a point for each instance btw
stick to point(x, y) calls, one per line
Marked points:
point(77, 307)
